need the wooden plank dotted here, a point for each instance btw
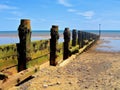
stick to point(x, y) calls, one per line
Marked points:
point(18, 78)
point(7, 64)
point(86, 46)
point(86, 41)
point(65, 62)
point(73, 49)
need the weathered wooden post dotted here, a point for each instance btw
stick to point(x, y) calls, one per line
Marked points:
point(83, 38)
point(74, 37)
point(66, 52)
point(88, 36)
point(25, 44)
point(91, 37)
point(79, 39)
point(85, 35)
point(53, 45)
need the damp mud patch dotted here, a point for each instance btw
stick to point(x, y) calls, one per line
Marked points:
point(109, 45)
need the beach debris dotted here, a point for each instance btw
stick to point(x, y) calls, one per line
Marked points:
point(45, 85)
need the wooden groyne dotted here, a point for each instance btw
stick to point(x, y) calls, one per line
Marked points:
point(27, 55)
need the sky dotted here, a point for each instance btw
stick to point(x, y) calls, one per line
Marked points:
point(75, 14)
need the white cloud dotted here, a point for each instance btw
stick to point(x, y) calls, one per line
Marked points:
point(10, 9)
point(64, 3)
point(72, 10)
point(13, 19)
point(41, 20)
point(6, 7)
point(87, 14)
point(16, 13)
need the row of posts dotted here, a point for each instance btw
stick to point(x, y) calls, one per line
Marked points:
point(24, 47)
point(82, 39)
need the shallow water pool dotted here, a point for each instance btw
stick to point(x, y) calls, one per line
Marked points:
point(109, 45)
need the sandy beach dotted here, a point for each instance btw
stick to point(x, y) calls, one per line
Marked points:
point(91, 70)
point(35, 34)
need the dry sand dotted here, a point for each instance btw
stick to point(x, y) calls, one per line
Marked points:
point(91, 70)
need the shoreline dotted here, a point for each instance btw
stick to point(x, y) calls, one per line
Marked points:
point(33, 35)
point(112, 41)
point(109, 44)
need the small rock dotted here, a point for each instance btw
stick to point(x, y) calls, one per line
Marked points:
point(58, 76)
point(45, 85)
point(86, 87)
point(70, 83)
point(110, 73)
point(116, 88)
point(117, 77)
point(47, 81)
point(52, 84)
point(96, 86)
point(58, 83)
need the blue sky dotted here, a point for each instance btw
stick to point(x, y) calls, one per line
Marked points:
point(78, 14)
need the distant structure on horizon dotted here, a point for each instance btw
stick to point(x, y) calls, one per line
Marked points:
point(99, 29)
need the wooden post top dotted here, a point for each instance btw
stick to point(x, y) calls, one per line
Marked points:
point(55, 27)
point(66, 28)
point(66, 31)
point(79, 32)
point(74, 29)
point(25, 22)
point(66, 34)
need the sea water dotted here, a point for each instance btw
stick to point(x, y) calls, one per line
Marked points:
point(113, 36)
point(10, 37)
point(109, 45)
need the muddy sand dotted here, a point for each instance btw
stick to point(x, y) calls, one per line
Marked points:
point(91, 70)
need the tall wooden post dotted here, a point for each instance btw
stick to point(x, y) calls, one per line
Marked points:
point(91, 37)
point(25, 44)
point(74, 37)
point(66, 43)
point(99, 30)
point(84, 35)
point(79, 39)
point(83, 38)
point(53, 45)
point(88, 36)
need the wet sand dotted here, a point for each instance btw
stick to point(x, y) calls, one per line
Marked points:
point(91, 70)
